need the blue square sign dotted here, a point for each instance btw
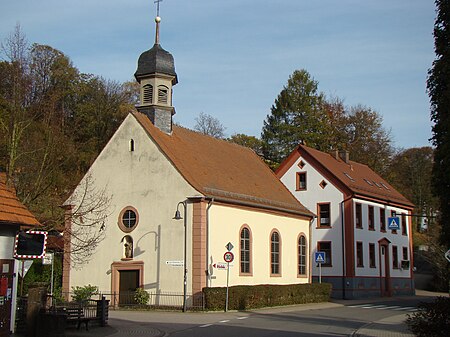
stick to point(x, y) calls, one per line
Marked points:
point(394, 222)
point(319, 257)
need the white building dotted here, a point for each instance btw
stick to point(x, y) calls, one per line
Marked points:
point(363, 256)
point(224, 192)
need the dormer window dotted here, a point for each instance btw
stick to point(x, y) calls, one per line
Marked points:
point(163, 94)
point(147, 96)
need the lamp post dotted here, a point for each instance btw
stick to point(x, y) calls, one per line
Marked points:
point(179, 217)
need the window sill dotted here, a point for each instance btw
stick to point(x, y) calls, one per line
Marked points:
point(245, 274)
point(323, 227)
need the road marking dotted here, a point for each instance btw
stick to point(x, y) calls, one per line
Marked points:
point(243, 317)
point(205, 326)
point(384, 307)
point(224, 321)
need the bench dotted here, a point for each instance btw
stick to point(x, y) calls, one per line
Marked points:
point(81, 313)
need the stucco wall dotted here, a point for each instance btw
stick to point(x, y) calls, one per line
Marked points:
point(7, 239)
point(310, 197)
point(225, 225)
point(145, 180)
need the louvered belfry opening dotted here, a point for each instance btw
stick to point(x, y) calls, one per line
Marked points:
point(147, 94)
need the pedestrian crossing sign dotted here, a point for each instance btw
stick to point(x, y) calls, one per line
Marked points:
point(319, 257)
point(394, 223)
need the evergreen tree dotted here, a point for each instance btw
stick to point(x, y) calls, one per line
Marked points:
point(438, 86)
point(296, 116)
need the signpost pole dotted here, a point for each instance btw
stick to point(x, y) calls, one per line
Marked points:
point(320, 272)
point(228, 278)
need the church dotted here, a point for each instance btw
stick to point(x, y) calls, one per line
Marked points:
point(179, 201)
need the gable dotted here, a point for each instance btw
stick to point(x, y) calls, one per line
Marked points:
point(350, 177)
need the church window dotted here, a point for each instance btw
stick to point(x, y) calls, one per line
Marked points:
point(275, 252)
point(147, 94)
point(131, 145)
point(302, 255)
point(245, 251)
point(128, 219)
point(163, 94)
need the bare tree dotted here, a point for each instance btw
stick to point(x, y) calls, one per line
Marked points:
point(85, 224)
point(209, 125)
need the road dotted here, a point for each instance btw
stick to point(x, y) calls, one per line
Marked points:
point(340, 318)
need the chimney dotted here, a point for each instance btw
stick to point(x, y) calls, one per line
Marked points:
point(344, 155)
point(335, 154)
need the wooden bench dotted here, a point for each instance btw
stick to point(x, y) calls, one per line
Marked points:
point(81, 313)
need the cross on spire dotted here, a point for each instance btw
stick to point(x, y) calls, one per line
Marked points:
point(157, 6)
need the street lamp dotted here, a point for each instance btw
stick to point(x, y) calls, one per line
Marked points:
point(179, 217)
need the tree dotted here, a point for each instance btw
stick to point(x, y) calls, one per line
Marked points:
point(296, 116)
point(251, 142)
point(438, 85)
point(209, 125)
point(368, 142)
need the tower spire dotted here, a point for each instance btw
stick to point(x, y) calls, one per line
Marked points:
point(157, 20)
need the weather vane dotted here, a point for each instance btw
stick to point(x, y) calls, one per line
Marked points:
point(157, 6)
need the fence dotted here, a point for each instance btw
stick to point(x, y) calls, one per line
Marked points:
point(157, 300)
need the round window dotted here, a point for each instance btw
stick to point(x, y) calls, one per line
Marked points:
point(128, 219)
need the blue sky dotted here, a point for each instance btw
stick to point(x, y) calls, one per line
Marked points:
point(234, 57)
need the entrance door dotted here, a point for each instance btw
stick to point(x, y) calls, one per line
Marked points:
point(384, 270)
point(6, 285)
point(128, 283)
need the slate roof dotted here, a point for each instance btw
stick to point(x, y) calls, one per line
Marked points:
point(12, 211)
point(354, 178)
point(156, 60)
point(228, 172)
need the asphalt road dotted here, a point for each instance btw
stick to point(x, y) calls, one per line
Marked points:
point(340, 318)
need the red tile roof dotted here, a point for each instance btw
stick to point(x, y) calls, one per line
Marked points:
point(223, 170)
point(354, 178)
point(12, 211)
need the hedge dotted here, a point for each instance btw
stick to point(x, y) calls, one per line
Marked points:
point(259, 296)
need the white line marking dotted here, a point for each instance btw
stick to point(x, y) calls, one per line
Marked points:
point(205, 326)
point(243, 317)
point(224, 321)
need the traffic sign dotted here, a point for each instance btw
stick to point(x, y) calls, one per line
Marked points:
point(220, 266)
point(229, 246)
point(394, 223)
point(319, 257)
point(447, 255)
point(228, 257)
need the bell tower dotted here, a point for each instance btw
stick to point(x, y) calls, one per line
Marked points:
point(156, 75)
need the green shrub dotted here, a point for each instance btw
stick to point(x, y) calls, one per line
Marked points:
point(258, 296)
point(431, 319)
point(141, 296)
point(84, 293)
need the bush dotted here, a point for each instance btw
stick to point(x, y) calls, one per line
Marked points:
point(431, 319)
point(141, 296)
point(258, 296)
point(84, 293)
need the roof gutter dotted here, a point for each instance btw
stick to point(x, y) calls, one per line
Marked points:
point(257, 205)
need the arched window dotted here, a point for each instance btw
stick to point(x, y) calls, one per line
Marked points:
point(245, 250)
point(131, 145)
point(275, 255)
point(301, 255)
point(147, 94)
point(163, 94)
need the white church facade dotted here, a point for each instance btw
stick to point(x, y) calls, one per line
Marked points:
point(177, 197)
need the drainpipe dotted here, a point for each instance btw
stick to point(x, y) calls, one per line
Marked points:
point(208, 279)
point(344, 274)
point(309, 245)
